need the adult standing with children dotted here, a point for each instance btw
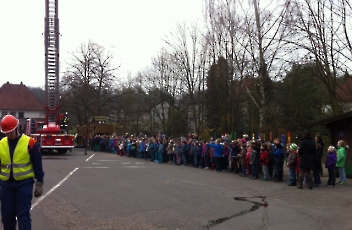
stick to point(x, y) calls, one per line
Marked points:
point(306, 152)
point(319, 140)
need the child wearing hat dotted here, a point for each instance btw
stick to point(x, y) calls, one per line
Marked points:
point(291, 164)
point(330, 164)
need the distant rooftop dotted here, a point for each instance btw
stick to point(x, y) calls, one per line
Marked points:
point(17, 97)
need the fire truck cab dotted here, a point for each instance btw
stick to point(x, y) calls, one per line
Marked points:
point(51, 137)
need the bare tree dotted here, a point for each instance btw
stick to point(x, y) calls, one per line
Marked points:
point(160, 85)
point(321, 29)
point(251, 37)
point(189, 66)
point(345, 13)
point(223, 38)
point(88, 83)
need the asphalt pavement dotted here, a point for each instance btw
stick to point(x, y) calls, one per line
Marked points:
point(106, 191)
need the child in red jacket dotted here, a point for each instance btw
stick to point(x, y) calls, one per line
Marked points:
point(264, 160)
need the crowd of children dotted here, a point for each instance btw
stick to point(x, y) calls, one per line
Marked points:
point(248, 158)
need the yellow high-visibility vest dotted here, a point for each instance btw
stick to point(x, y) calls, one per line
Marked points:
point(21, 165)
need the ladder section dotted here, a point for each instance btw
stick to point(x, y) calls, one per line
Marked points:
point(52, 35)
point(52, 53)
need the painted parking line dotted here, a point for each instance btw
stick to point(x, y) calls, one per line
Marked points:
point(94, 167)
point(126, 163)
point(134, 167)
point(108, 160)
point(90, 157)
point(53, 188)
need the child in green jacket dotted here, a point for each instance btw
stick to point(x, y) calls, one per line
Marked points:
point(341, 161)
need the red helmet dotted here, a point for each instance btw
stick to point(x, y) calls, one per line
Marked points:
point(9, 123)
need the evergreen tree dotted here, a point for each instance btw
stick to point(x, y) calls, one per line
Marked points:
point(217, 96)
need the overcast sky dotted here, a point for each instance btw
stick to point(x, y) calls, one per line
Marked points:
point(132, 29)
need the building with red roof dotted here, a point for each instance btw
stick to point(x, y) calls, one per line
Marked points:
point(19, 101)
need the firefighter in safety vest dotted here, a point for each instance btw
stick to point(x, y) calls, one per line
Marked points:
point(21, 165)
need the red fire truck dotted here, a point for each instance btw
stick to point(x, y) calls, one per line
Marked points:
point(49, 134)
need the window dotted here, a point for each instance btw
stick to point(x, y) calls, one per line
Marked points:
point(20, 114)
point(3, 113)
point(13, 113)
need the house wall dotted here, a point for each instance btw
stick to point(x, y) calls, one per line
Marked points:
point(342, 130)
point(26, 114)
point(34, 114)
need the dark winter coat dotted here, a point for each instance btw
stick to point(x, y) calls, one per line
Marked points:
point(177, 148)
point(271, 156)
point(306, 152)
point(331, 161)
point(235, 151)
point(321, 143)
point(317, 159)
point(254, 157)
point(195, 150)
point(279, 156)
point(292, 160)
point(186, 148)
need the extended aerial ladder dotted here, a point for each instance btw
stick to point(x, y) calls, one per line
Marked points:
point(50, 135)
point(52, 37)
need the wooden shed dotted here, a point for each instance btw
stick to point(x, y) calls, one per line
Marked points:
point(96, 120)
point(99, 125)
point(340, 127)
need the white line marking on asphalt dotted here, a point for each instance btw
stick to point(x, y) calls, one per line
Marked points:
point(139, 163)
point(108, 160)
point(53, 188)
point(95, 167)
point(96, 163)
point(90, 157)
point(126, 163)
point(134, 167)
